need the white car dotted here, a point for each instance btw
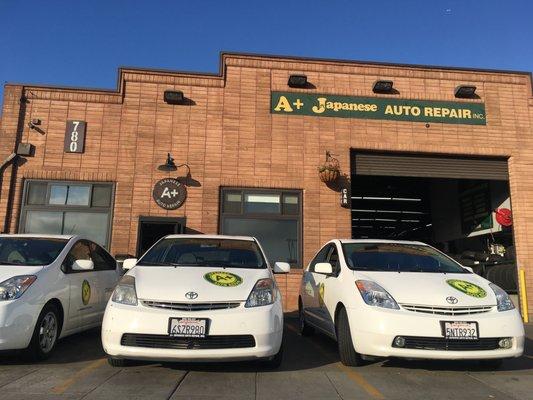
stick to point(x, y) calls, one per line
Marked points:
point(197, 298)
point(381, 298)
point(51, 286)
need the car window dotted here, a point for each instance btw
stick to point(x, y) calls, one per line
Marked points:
point(102, 260)
point(203, 252)
point(29, 250)
point(320, 257)
point(80, 251)
point(333, 259)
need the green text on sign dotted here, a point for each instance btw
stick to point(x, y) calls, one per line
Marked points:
point(323, 105)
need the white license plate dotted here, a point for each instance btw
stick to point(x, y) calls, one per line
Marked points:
point(460, 330)
point(187, 327)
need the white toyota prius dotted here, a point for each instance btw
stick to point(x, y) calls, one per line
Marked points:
point(196, 298)
point(406, 299)
point(51, 286)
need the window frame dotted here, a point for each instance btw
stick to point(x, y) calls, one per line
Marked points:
point(65, 208)
point(265, 216)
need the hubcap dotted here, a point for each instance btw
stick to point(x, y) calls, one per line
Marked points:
point(48, 332)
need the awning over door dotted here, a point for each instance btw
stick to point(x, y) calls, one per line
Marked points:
point(432, 166)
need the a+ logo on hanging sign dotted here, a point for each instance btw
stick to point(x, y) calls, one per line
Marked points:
point(169, 193)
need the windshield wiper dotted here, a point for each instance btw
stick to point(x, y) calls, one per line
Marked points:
point(10, 263)
point(161, 264)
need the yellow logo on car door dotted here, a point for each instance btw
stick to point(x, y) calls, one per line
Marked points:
point(85, 292)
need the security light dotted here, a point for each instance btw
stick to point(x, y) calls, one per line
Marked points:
point(174, 97)
point(383, 87)
point(297, 81)
point(465, 91)
point(169, 164)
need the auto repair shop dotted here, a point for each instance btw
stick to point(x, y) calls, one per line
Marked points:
point(291, 150)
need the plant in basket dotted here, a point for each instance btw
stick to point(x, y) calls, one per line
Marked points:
point(329, 171)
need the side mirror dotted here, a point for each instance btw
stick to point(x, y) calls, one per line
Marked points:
point(323, 268)
point(129, 263)
point(468, 268)
point(281, 267)
point(82, 265)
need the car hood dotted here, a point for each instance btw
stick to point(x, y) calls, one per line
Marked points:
point(9, 271)
point(211, 284)
point(433, 289)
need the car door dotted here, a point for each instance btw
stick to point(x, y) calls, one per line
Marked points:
point(312, 284)
point(329, 290)
point(84, 288)
point(107, 274)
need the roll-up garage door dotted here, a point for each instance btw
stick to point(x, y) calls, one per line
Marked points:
point(433, 166)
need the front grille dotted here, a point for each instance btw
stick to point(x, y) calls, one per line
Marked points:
point(436, 343)
point(179, 343)
point(168, 305)
point(438, 310)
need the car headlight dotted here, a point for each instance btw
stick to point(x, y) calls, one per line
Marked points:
point(375, 295)
point(125, 291)
point(263, 293)
point(503, 301)
point(13, 288)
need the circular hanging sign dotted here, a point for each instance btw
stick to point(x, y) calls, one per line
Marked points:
point(169, 193)
point(504, 217)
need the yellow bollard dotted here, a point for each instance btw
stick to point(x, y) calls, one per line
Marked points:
point(523, 296)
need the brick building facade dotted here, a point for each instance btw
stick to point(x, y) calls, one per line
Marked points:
point(229, 137)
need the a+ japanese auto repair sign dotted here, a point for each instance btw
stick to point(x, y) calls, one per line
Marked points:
point(169, 193)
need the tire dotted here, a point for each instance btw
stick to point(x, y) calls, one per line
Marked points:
point(347, 353)
point(274, 362)
point(304, 328)
point(45, 333)
point(117, 362)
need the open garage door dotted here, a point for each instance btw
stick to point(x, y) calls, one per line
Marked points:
point(460, 205)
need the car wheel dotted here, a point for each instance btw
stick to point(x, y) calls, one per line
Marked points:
point(45, 334)
point(274, 362)
point(304, 328)
point(347, 351)
point(117, 362)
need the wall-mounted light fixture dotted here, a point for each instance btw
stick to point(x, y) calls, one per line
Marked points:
point(297, 81)
point(169, 165)
point(174, 97)
point(384, 87)
point(465, 91)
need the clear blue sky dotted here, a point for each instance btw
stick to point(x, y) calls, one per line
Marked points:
point(81, 43)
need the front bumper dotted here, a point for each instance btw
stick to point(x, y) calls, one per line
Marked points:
point(17, 321)
point(373, 331)
point(264, 323)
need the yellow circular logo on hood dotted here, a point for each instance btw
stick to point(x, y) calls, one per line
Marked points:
point(223, 278)
point(85, 292)
point(467, 288)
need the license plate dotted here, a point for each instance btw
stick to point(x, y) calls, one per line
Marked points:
point(187, 327)
point(456, 330)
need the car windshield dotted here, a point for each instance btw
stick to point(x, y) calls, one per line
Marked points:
point(29, 251)
point(205, 252)
point(398, 257)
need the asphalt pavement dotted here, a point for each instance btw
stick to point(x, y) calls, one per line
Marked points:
point(311, 370)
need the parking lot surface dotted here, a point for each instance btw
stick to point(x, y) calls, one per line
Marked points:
point(310, 370)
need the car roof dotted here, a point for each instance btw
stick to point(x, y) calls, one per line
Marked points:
point(38, 235)
point(382, 241)
point(201, 236)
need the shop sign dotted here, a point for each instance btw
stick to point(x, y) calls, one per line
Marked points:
point(75, 137)
point(323, 105)
point(346, 199)
point(169, 193)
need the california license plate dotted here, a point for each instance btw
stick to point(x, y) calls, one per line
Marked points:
point(187, 327)
point(455, 330)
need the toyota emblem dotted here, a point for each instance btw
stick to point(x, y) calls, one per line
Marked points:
point(191, 295)
point(452, 300)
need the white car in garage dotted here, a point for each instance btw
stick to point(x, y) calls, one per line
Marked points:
point(197, 298)
point(51, 286)
point(381, 298)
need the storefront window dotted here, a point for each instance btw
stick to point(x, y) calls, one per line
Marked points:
point(70, 208)
point(272, 216)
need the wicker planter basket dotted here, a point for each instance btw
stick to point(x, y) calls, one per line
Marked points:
point(330, 170)
point(329, 175)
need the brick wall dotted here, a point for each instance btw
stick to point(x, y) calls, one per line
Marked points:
point(229, 138)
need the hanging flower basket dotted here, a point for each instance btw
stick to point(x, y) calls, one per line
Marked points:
point(330, 170)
